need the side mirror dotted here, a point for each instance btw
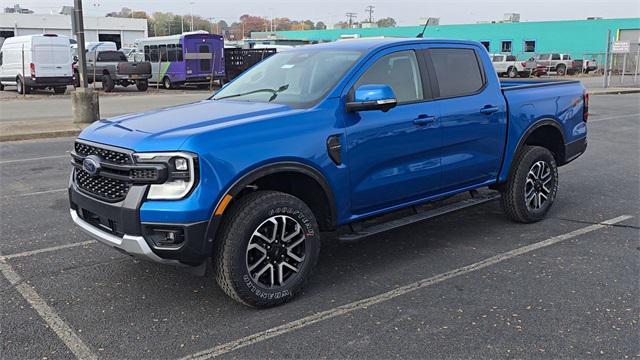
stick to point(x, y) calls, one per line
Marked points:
point(75, 58)
point(372, 97)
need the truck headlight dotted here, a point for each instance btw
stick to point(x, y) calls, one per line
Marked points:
point(181, 174)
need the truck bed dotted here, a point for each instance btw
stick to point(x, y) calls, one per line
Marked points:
point(510, 84)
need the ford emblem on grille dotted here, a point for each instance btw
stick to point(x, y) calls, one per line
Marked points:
point(91, 164)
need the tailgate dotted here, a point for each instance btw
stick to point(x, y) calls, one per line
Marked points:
point(134, 68)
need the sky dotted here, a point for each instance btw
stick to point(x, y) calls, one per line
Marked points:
point(331, 11)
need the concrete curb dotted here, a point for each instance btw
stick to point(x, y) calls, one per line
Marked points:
point(614, 91)
point(40, 135)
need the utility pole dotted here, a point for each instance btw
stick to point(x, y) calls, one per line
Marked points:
point(84, 101)
point(211, 21)
point(351, 16)
point(369, 9)
point(191, 12)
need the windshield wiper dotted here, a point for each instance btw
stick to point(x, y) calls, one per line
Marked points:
point(274, 93)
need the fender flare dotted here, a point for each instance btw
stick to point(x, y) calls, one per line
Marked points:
point(535, 126)
point(265, 170)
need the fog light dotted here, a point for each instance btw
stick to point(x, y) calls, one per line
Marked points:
point(166, 238)
point(181, 164)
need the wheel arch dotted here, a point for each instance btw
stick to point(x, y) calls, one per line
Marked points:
point(294, 178)
point(547, 133)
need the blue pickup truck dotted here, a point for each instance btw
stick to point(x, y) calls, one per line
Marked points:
point(353, 137)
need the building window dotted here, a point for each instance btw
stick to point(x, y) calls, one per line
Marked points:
point(529, 46)
point(486, 44)
point(506, 46)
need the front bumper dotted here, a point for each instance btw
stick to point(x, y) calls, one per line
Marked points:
point(135, 246)
point(118, 224)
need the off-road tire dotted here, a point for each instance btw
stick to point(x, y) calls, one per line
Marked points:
point(513, 199)
point(107, 83)
point(142, 85)
point(230, 254)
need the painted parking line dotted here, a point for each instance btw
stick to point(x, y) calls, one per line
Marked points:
point(46, 250)
point(365, 303)
point(614, 117)
point(33, 159)
point(36, 193)
point(53, 320)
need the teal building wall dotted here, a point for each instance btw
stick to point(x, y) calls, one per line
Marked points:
point(576, 37)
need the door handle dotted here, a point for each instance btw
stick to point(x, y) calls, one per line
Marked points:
point(424, 119)
point(489, 109)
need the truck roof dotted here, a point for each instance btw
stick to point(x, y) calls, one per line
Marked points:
point(368, 44)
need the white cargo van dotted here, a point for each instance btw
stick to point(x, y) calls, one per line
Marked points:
point(47, 63)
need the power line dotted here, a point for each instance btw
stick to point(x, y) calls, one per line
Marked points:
point(351, 16)
point(369, 9)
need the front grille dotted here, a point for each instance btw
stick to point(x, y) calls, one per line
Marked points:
point(113, 156)
point(144, 174)
point(102, 187)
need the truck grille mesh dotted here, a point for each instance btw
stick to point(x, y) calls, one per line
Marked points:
point(102, 187)
point(108, 155)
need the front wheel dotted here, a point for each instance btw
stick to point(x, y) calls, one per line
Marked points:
point(561, 70)
point(512, 73)
point(532, 186)
point(269, 246)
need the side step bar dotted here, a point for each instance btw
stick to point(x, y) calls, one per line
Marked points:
point(366, 228)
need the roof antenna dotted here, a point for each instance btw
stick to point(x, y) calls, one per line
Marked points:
point(421, 35)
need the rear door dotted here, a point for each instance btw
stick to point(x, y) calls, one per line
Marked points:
point(472, 115)
point(51, 57)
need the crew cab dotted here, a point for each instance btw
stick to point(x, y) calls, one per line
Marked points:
point(354, 137)
point(112, 67)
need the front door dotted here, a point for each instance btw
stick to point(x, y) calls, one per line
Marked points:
point(394, 156)
point(472, 116)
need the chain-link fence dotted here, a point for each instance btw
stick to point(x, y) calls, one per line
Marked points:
point(623, 66)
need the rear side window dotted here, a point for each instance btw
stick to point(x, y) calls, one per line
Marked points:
point(111, 56)
point(555, 57)
point(398, 70)
point(457, 70)
point(511, 58)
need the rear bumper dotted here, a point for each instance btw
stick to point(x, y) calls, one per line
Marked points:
point(574, 149)
point(49, 81)
point(133, 77)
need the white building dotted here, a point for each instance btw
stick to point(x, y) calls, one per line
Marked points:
point(122, 31)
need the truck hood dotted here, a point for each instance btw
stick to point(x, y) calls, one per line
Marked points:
point(168, 128)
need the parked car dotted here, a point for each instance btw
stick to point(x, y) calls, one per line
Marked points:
point(589, 65)
point(350, 136)
point(112, 68)
point(561, 64)
point(507, 65)
point(36, 62)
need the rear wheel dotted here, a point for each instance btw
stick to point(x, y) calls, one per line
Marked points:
point(532, 186)
point(512, 72)
point(107, 83)
point(60, 89)
point(561, 70)
point(1, 87)
point(166, 82)
point(269, 246)
point(142, 85)
point(21, 87)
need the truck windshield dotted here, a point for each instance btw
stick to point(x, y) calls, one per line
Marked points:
point(298, 78)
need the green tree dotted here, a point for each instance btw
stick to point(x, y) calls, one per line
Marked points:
point(386, 22)
point(320, 26)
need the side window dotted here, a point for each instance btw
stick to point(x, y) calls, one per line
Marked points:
point(400, 71)
point(529, 46)
point(566, 57)
point(153, 53)
point(146, 53)
point(506, 46)
point(511, 58)
point(457, 70)
point(555, 56)
point(179, 52)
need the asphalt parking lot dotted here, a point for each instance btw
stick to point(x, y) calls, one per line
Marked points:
point(467, 285)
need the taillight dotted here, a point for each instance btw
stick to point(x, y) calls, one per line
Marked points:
point(585, 106)
point(32, 67)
